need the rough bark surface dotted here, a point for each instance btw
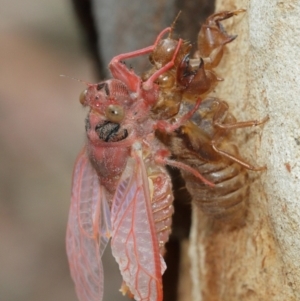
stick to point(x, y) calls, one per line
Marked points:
point(259, 261)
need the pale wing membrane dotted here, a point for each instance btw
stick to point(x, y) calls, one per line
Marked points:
point(88, 231)
point(134, 241)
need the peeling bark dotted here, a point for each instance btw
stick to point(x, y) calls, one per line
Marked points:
point(259, 261)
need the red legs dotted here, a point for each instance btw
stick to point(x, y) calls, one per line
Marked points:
point(148, 84)
point(162, 158)
point(127, 76)
point(168, 29)
point(117, 59)
point(120, 71)
point(167, 127)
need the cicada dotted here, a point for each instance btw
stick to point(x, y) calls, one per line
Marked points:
point(121, 189)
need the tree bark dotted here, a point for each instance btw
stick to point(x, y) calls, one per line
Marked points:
point(259, 261)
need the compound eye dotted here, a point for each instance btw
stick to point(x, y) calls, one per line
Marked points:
point(114, 113)
point(82, 97)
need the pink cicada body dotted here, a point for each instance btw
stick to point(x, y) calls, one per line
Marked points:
point(121, 189)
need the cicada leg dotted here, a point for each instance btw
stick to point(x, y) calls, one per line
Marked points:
point(161, 157)
point(240, 124)
point(148, 84)
point(212, 36)
point(235, 159)
point(127, 76)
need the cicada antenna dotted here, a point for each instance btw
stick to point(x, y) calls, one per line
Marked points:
point(173, 24)
point(74, 78)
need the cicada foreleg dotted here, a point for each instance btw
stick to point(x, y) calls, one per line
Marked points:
point(120, 71)
point(148, 84)
point(235, 159)
point(212, 37)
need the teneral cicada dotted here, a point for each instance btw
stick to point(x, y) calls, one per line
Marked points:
point(120, 188)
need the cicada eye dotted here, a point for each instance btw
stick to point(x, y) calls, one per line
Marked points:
point(114, 113)
point(82, 97)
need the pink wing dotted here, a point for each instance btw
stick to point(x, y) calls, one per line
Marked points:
point(88, 230)
point(134, 241)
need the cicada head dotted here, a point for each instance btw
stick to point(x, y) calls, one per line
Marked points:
point(109, 98)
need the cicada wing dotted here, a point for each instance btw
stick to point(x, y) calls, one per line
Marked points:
point(134, 241)
point(88, 230)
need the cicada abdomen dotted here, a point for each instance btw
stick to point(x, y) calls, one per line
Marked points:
point(205, 143)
